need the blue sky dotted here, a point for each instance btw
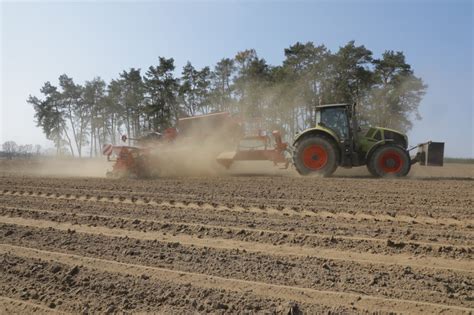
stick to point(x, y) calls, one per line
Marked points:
point(41, 40)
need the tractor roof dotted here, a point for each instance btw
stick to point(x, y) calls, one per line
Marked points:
point(333, 105)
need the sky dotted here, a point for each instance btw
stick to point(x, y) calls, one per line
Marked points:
point(42, 40)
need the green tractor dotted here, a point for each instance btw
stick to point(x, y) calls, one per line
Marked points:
point(337, 140)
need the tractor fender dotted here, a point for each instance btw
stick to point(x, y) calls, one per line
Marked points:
point(318, 131)
point(376, 146)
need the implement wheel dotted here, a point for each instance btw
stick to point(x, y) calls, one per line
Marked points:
point(389, 160)
point(315, 155)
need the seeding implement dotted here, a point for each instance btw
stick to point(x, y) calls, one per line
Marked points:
point(216, 132)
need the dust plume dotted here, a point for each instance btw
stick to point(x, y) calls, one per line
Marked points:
point(56, 167)
point(185, 158)
point(95, 167)
point(194, 151)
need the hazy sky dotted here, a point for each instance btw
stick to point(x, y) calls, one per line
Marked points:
point(42, 40)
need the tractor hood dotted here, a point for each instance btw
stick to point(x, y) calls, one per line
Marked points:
point(391, 130)
point(381, 133)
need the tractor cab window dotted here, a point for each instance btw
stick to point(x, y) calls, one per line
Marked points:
point(336, 119)
point(378, 136)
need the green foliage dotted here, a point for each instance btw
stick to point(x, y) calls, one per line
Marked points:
point(161, 92)
point(278, 97)
point(194, 90)
point(222, 85)
point(49, 114)
point(396, 94)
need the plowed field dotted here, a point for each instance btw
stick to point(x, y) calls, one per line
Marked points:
point(237, 244)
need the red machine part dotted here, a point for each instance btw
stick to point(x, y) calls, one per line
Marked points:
point(129, 161)
point(257, 148)
point(315, 157)
point(107, 149)
point(170, 134)
point(391, 162)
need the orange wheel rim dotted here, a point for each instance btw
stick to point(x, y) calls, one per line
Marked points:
point(315, 157)
point(391, 162)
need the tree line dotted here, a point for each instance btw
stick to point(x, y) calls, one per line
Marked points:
point(82, 117)
point(10, 150)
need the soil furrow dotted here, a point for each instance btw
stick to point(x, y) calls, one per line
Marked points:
point(355, 244)
point(398, 259)
point(393, 216)
point(303, 295)
point(62, 283)
point(237, 244)
point(14, 306)
point(410, 197)
point(422, 284)
point(406, 232)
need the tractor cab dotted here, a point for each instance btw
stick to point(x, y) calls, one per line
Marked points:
point(335, 117)
point(339, 121)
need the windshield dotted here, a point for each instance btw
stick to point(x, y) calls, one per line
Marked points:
point(336, 119)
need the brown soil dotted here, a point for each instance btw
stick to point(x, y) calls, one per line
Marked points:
point(238, 244)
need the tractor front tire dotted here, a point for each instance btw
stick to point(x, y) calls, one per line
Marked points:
point(315, 156)
point(389, 160)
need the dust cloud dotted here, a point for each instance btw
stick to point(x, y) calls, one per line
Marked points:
point(187, 158)
point(56, 167)
point(193, 160)
point(193, 152)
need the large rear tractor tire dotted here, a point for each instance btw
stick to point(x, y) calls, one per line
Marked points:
point(389, 160)
point(315, 156)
